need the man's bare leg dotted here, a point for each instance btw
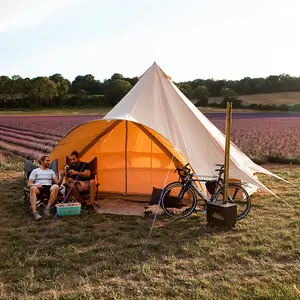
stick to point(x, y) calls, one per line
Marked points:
point(53, 195)
point(34, 191)
point(92, 184)
point(74, 192)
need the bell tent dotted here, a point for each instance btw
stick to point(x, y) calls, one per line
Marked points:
point(153, 129)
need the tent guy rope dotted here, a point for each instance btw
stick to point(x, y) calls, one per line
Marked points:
point(160, 197)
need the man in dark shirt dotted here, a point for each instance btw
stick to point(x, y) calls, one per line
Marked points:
point(79, 178)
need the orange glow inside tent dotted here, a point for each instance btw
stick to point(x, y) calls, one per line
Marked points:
point(132, 158)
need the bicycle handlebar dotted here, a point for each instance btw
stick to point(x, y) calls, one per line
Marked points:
point(186, 171)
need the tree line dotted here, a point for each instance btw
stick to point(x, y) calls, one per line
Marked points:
point(55, 90)
point(230, 90)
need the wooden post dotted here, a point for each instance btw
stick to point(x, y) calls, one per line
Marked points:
point(227, 151)
point(126, 158)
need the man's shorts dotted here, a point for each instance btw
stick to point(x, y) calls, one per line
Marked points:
point(45, 189)
point(82, 185)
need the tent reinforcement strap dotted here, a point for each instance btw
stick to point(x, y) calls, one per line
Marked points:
point(96, 139)
point(159, 144)
point(126, 142)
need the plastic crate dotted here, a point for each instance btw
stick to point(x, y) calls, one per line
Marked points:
point(68, 209)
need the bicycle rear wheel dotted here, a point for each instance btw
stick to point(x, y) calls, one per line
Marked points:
point(238, 195)
point(177, 202)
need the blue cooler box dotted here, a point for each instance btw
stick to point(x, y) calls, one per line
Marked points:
point(68, 209)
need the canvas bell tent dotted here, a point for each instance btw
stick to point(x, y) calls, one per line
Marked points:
point(153, 129)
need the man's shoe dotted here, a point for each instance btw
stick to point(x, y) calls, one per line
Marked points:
point(90, 203)
point(47, 212)
point(37, 216)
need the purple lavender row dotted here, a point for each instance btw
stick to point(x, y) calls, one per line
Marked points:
point(52, 129)
point(29, 133)
point(27, 138)
point(33, 130)
point(35, 146)
point(261, 138)
point(21, 151)
point(56, 126)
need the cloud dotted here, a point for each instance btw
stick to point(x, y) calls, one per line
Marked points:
point(28, 13)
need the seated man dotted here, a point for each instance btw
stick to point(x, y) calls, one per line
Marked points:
point(41, 182)
point(79, 178)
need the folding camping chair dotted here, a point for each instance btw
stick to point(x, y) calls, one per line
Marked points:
point(42, 199)
point(92, 166)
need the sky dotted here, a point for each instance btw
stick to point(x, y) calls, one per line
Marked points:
point(188, 39)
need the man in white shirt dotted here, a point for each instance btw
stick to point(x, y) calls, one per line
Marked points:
point(41, 181)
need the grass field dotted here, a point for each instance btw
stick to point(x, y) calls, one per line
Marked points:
point(109, 257)
point(93, 111)
point(289, 98)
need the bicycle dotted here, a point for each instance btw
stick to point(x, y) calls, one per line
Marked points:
point(179, 198)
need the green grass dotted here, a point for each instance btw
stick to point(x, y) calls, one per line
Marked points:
point(80, 111)
point(9, 162)
point(96, 111)
point(288, 98)
point(94, 256)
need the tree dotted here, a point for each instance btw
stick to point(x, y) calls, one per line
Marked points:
point(186, 89)
point(230, 95)
point(43, 90)
point(201, 93)
point(132, 80)
point(244, 86)
point(195, 83)
point(257, 85)
point(87, 83)
point(4, 85)
point(116, 76)
point(116, 90)
point(62, 87)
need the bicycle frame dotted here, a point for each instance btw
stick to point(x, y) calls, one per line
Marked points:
point(199, 192)
point(189, 181)
point(220, 184)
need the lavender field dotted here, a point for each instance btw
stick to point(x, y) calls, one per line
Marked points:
point(264, 137)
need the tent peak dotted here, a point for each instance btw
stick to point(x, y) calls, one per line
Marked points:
point(156, 67)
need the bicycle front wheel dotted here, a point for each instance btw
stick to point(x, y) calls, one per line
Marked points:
point(238, 195)
point(178, 201)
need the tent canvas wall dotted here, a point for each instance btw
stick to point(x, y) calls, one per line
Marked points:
point(136, 141)
point(131, 157)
